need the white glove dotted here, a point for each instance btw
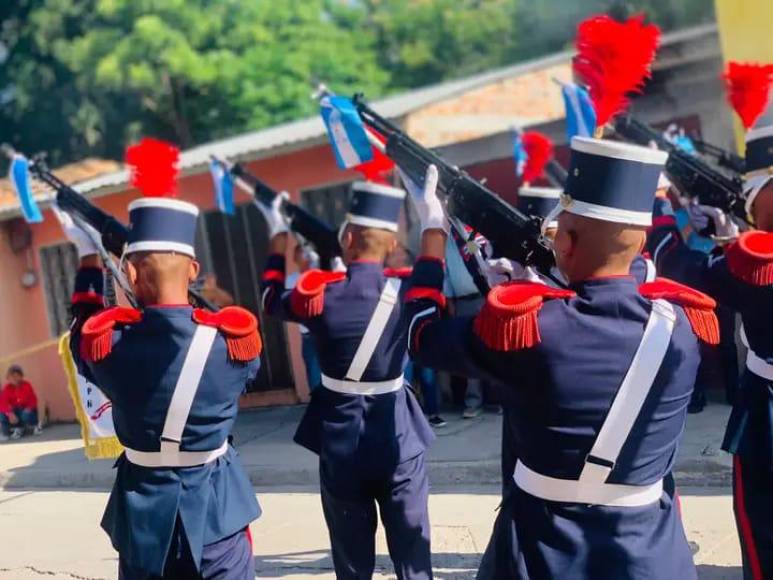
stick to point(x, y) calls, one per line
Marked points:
point(724, 227)
point(275, 219)
point(504, 270)
point(84, 243)
point(426, 201)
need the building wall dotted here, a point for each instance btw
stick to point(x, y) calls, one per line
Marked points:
point(24, 330)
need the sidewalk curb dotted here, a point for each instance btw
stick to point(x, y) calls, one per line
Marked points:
point(441, 474)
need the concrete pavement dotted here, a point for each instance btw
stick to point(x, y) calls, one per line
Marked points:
point(466, 453)
point(56, 535)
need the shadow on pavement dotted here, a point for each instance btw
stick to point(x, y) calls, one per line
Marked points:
point(711, 572)
point(312, 563)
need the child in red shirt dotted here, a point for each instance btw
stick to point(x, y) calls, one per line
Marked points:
point(18, 406)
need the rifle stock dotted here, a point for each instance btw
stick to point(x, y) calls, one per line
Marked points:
point(512, 233)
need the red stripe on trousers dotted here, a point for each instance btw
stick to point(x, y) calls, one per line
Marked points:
point(744, 525)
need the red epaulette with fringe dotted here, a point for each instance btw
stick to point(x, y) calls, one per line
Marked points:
point(750, 258)
point(698, 306)
point(240, 328)
point(508, 320)
point(398, 272)
point(308, 297)
point(97, 331)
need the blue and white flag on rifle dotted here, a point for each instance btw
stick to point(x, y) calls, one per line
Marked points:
point(19, 175)
point(224, 187)
point(580, 114)
point(519, 153)
point(345, 131)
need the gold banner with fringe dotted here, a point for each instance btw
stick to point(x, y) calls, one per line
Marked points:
point(93, 409)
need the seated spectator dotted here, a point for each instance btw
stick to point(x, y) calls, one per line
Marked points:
point(18, 406)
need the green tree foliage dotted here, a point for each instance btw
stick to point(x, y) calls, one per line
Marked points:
point(84, 77)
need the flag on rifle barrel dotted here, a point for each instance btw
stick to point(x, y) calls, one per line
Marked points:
point(580, 114)
point(519, 154)
point(20, 178)
point(345, 131)
point(224, 186)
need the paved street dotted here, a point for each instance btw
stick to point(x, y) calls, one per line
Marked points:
point(55, 535)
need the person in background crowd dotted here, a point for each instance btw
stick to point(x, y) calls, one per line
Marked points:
point(418, 376)
point(464, 299)
point(306, 259)
point(18, 406)
point(719, 364)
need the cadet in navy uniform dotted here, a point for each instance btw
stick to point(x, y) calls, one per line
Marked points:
point(740, 276)
point(365, 425)
point(182, 501)
point(598, 377)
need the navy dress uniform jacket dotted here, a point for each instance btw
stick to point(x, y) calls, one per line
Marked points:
point(138, 375)
point(345, 427)
point(723, 276)
point(739, 277)
point(558, 390)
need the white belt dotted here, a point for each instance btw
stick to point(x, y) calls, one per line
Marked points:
point(363, 387)
point(174, 458)
point(585, 492)
point(758, 365)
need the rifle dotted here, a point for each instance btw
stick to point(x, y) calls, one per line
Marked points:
point(318, 233)
point(512, 233)
point(691, 175)
point(113, 233)
point(724, 158)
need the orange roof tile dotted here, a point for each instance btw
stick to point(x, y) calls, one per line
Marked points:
point(71, 174)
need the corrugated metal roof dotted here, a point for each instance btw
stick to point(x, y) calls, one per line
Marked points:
point(296, 135)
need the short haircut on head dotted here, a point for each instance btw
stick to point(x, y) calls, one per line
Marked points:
point(375, 242)
point(604, 242)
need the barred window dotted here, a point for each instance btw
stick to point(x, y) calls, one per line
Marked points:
point(59, 264)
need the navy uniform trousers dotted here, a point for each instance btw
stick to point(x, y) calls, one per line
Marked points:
point(732, 278)
point(370, 446)
point(227, 559)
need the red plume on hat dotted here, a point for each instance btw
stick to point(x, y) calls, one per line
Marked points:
point(539, 150)
point(748, 89)
point(614, 59)
point(153, 166)
point(377, 169)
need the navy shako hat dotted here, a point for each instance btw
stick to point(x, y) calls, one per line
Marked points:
point(375, 205)
point(612, 181)
point(539, 201)
point(158, 223)
point(759, 162)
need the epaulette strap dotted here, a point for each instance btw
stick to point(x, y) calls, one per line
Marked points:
point(750, 258)
point(508, 319)
point(239, 327)
point(398, 272)
point(697, 306)
point(308, 297)
point(97, 331)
